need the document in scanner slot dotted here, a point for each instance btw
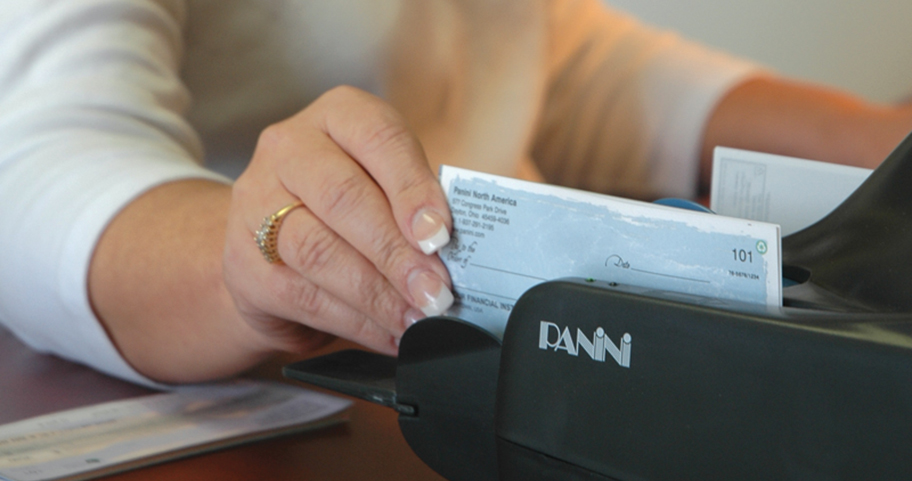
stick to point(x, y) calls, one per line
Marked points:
point(509, 235)
point(788, 191)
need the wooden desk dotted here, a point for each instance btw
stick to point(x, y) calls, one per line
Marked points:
point(370, 446)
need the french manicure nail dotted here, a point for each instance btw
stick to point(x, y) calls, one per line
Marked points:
point(430, 292)
point(430, 230)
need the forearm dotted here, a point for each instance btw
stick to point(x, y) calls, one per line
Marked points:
point(778, 116)
point(155, 282)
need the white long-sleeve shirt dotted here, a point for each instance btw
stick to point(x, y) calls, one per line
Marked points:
point(95, 109)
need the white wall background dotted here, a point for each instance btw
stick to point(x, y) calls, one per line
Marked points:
point(864, 46)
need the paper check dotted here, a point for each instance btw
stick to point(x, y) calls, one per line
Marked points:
point(101, 439)
point(509, 235)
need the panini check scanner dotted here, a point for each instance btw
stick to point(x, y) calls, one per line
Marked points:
point(599, 381)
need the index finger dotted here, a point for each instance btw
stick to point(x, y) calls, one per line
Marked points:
point(372, 133)
point(384, 212)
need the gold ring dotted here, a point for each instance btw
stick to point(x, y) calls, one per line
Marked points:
point(267, 238)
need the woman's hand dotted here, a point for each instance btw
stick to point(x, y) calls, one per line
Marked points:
point(356, 255)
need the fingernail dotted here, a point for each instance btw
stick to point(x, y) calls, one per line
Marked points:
point(430, 292)
point(412, 316)
point(430, 230)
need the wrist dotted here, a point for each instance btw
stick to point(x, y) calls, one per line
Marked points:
point(155, 283)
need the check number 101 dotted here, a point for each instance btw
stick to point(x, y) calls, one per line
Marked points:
point(742, 255)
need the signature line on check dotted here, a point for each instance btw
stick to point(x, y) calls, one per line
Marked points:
point(669, 275)
point(461, 288)
point(508, 272)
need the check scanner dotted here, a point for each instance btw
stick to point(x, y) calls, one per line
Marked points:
point(599, 381)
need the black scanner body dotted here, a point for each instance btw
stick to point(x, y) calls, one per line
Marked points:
point(599, 381)
point(711, 392)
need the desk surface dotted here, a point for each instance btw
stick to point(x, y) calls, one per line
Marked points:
point(369, 446)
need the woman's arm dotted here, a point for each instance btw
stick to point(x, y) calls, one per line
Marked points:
point(780, 116)
point(156, 283)
point(626, 103)
point(636, 111)
point(113, 256)
point(90, 118)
